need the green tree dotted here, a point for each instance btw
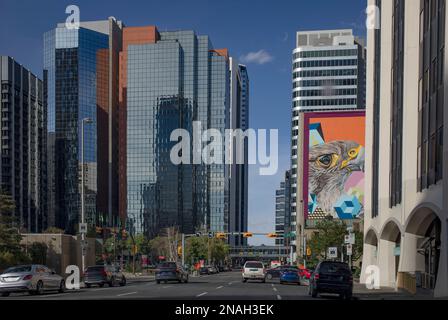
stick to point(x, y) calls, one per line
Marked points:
point(219, 250)
point(196, 249)
point(331, 233)
point(10, 249)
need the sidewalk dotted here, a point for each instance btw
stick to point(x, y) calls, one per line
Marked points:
point(386, 293)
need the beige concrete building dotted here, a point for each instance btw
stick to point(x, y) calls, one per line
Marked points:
point(406, 204)
point(62, 250)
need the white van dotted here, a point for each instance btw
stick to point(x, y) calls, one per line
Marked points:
point(254, 270)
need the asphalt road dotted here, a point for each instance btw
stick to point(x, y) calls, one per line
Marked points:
point(223, 286)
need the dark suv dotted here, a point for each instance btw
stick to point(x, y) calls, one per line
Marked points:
point(101, 275)
point(332, 277)
point(171, 271)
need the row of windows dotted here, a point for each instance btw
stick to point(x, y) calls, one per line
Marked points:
point(326, 53)
point(324, 102)
point(325, 73)
point(325, 63)
point(325, 93)
point(325, 83)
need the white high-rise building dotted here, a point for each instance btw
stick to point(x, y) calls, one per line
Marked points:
point(328, 74)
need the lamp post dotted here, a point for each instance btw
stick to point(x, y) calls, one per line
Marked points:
point(83, 235)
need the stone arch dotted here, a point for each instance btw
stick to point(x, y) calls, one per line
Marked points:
point(391, 230)
point(371, 237)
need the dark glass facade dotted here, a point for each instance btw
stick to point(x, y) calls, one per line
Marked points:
point(170, 83)
point(71, 66)
point(431, 92)
point(22, 144)
point(396, 159)
point(376, 119)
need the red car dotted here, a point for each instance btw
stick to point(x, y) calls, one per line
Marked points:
point(305, 273)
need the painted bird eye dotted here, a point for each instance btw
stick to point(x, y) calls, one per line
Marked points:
point(325, 160)
point(353, 153)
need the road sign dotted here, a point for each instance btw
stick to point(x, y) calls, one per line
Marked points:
point(332, 253)
point(83, 228)
point(349, 249)
point(350, 239)
point(84, 244)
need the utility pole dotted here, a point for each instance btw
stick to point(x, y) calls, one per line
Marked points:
point(83, 235)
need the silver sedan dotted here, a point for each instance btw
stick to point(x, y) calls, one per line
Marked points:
point(34, 279)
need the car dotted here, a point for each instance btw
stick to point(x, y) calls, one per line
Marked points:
point(212, 270)
point(332, 277)
point(290, 276)
point(34, 279)
point(305, 273)
point(171, 271)
point(101, 275)
point(204, 271)
point(254, 270)
point(274, 273)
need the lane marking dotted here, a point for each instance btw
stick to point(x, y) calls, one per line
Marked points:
point(166, 287)
point(202, 294)
point(279, 297)
point(220, 287)
point(126, 294)
point(275, 289)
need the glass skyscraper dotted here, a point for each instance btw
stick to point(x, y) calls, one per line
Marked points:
point(77, 82)
point(172, 82)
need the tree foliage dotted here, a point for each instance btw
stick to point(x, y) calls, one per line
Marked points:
point(331, 233)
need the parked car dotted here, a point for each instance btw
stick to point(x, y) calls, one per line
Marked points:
point(204, 271)
point(171, 271)
point(254, 270)
point(101, 275)
point(34, 279)
point(274, 273)
point(305, 273)
point(290, 276)
point(332, 277)
point(212, 270)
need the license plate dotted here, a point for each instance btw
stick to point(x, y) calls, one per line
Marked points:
point(11, 279)
point(253, 270)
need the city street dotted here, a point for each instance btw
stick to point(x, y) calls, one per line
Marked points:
point(224, 286)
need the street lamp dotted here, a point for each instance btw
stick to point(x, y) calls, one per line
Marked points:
point(83, 235)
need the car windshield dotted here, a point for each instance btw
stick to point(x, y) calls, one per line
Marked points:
point(95, 269)
point(255, 265)
point(166, 265)
point(18, 269)
point(334, 268)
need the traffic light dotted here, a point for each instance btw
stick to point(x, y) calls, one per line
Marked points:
point(221, 235)
point(248, 235)
point(272, 235)
point(179, 251)
point(308, 252)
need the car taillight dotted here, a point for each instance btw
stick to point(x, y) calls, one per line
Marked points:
point(316, 276)
point(28, 277)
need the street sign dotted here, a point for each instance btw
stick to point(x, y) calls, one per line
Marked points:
point(83, 228)
point(332, 253)
point(350, 239)
point(349, 249)
point(84, 244)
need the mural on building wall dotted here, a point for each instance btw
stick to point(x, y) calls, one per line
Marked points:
point(334, 148)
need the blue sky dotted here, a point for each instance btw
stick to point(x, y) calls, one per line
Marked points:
point(261, 30)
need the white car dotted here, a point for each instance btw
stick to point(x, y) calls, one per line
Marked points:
point(254, 270)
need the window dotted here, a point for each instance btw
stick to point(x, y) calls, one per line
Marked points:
point(431, 93)
point(395, 190)
point(376, 119)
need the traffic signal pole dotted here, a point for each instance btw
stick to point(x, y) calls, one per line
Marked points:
point(183, 249)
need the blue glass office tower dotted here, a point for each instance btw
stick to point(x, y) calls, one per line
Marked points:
point(171, 83)
point(77, 68)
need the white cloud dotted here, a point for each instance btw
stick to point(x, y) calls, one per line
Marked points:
point(259, 57)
